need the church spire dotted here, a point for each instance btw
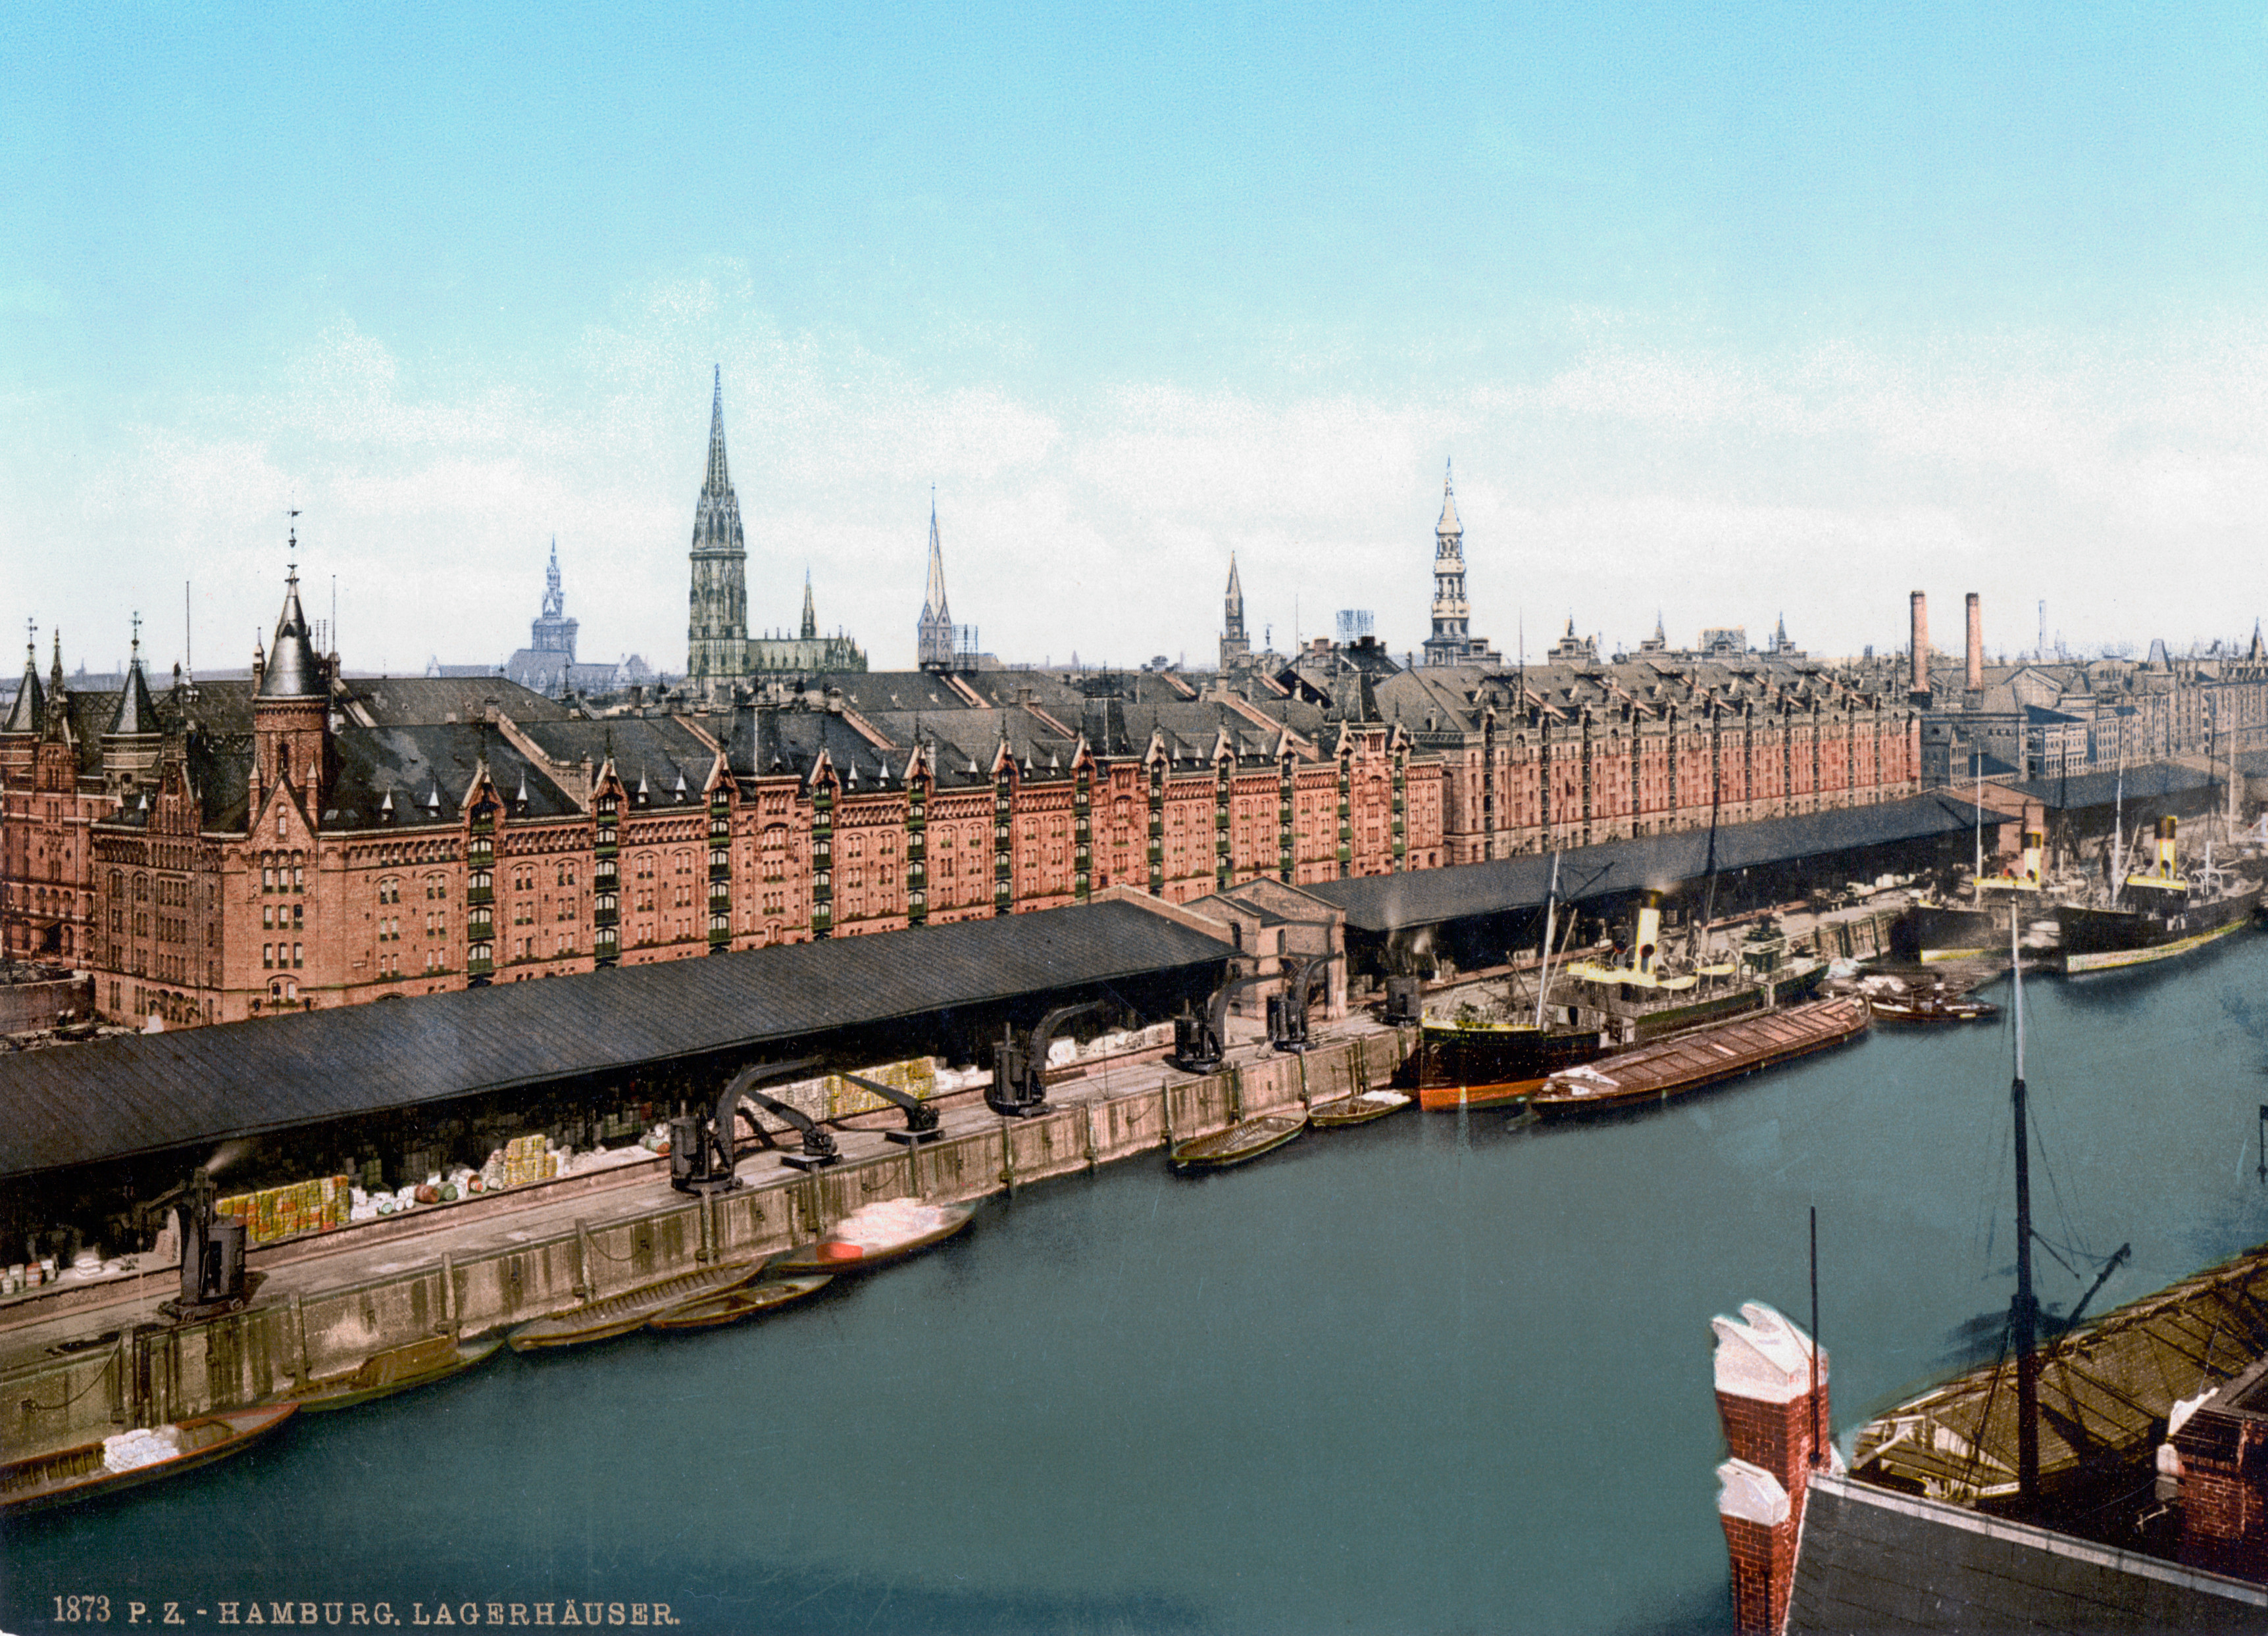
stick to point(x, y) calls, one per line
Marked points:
point(810, 613)
point(933, 637)
point(1234, 646)
point(1451, 639)
point(716, 633)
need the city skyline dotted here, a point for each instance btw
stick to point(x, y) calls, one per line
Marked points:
point(1721, 318)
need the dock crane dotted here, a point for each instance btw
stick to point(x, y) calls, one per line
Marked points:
point(1200, 1039)
point(921, 1119)
point(214, 1277)
point(702, 1151)
point(1020, 1065)
point(1288, 1012)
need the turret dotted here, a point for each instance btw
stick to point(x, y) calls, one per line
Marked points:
point(291, 709)
point(132, 742)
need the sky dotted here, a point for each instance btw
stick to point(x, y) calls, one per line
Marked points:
point(1724, 314)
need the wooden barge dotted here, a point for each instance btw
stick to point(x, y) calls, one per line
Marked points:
point(737, 1306)
point(70, 1475)
point(840, 1252)
point(1708, 1056)
point(618, 1315)
point(397, 1369)
point(1247, 1140)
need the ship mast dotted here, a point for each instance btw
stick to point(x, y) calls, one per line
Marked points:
point(1543, 971)
point(2023, 1312)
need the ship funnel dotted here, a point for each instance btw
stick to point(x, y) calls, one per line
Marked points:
point(1649, 932)
point(2036, 845)
point(2166, 847)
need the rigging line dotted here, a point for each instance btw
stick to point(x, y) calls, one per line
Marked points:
point(1984, 1420)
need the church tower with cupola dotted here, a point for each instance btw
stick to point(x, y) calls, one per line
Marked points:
point(717, 637)
point(1451, 639)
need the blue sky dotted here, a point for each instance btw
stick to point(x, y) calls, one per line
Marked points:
point(1723, 312)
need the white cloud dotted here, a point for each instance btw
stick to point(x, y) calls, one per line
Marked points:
point(2122, 477)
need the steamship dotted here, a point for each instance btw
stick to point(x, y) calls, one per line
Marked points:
point(1937, 930)
point(2157, 915)
point(1601, 1006)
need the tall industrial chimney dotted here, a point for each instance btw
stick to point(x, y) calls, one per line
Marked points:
point(1918, 684)
point(1976, 644)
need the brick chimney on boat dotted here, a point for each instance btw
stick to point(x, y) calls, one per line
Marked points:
point(1976, 644)
point(1771, 1398)
point(1917, 681)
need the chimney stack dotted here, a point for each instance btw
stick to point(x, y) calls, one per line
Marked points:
point(1772, 1399)
point(1918, 646)
point(1976, 644)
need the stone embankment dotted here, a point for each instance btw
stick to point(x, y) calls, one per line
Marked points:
point(71, 1375)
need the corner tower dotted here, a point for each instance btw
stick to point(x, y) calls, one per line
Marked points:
point(717, 636)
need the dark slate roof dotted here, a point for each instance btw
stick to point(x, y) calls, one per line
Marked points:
point(1384, 903)
point(413, 700)
point(414, 763)
point(147, 1093)
point(1876, 1561)
point(2102, 789)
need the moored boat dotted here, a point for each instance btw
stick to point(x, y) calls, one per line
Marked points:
point(1708, 1056)
point(735, 1306)
point(1360, 1108)
point(873, 1236)
point(619, 1314)
point(129, 1459)
point(2155, 916)
point(397, 1369)
point(1244, 1140)
point(1930, 1005)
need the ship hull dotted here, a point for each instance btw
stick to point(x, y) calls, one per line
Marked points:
point(2103, 940)
point(1925, 933)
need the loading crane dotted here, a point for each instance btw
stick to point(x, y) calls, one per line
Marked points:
point(921, 1119)
point(1200, 1040)
point(1020, 1065)
point(702, 1149)
point(214, 1277)
point(1288, 1012)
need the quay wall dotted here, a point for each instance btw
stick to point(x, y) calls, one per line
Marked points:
point(152, 1373)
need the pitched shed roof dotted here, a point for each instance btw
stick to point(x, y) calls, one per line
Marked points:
point(147, 1093)
point(1384, 903)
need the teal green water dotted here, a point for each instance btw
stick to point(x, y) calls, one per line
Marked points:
point(1434, 1375)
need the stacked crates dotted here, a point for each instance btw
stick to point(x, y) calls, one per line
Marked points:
point(275, 1214)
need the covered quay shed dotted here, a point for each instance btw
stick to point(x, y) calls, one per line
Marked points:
point(1473, 913)
point(90, 1127)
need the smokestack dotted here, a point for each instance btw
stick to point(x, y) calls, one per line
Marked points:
point(1976, 644)
point(1918, 684)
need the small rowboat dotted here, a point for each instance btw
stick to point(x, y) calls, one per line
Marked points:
point(1358, 1109)
point(70, 1475)
point(1247, 1140)
point(731, 1306)
point(397, 1369)
point(869, 1238)
point(618, 1315)
point(1928, 1006)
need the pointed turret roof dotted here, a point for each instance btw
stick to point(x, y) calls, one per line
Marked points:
point(293, 672)
point(136, 713)
point(24, 716)
point(1235, 588)
point(933, 601)
point(810, 613)
point(1449, 525)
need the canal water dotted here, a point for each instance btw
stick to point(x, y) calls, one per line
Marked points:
point(1440, 1373)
